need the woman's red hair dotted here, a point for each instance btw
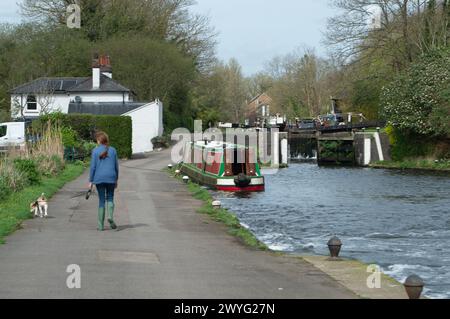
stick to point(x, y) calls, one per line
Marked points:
point(103, 139)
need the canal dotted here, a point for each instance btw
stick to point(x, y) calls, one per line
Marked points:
point(398, 220)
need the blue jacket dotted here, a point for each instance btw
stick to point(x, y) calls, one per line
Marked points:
point(104, 171)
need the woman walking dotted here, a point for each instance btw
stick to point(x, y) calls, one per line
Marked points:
point(104, 175)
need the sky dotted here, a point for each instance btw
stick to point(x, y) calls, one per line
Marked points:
point(252, 31)
point(255, 31)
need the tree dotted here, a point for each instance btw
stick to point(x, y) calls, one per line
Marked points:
point(259, 83)
point(168, 20)
point(407, 29)
point(208, 96)
point(154, 69)
point(234, 90)
point(418, 101)
point(299, 83)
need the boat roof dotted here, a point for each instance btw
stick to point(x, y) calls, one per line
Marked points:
point(218, 145)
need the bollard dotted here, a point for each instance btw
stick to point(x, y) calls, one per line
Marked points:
point(170, 166)
point(334, 245)
point(186, 179)
point(414, 286)
point(216, 204)
point(378, 129)
point(177, 172)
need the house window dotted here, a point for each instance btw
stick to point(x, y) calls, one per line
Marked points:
point(31, 103)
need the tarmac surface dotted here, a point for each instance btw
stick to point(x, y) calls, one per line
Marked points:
point(162, 249)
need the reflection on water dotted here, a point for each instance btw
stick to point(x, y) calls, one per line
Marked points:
point(399, 220)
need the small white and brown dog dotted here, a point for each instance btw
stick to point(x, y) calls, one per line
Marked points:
point(40, 207)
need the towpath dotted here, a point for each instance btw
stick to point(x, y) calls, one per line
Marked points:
point(163, 249)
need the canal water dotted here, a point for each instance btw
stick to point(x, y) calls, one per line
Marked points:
point(398, 220)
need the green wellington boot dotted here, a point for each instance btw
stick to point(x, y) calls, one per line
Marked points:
point(111, 215)
point(101, 219)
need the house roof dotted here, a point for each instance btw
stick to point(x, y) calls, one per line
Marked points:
point(106, 85)
point(264, 95)
point(68, 84)
point(108, 108)
point(57, 85)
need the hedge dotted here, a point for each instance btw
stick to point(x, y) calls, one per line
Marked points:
point(119, 128)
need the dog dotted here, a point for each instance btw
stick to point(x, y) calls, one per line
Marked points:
point(40, 207)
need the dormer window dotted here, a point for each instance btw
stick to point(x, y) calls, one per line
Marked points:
point(31, 103)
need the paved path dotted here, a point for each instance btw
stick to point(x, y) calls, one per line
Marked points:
point(163, 249)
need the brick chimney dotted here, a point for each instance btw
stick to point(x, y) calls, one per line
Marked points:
point(105, 66)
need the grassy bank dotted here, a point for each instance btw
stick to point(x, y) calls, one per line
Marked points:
point(16, 208)
point(415, 164)
point(222, 215)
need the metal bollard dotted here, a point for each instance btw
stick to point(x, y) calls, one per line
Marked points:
point(414, 286)
point(186, 179)
point(334, 245)
point(216, 204)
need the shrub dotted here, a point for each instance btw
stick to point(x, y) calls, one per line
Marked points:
point(5, 190)
point(29, 169)
point(11, 177)
point(418, 101)
point(69, 137)
point(119, 128)
point(51, 141)
point(50, 165)
point(161, 142)
point(88, 147)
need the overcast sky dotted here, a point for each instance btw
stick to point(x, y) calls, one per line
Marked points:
point(253, 31)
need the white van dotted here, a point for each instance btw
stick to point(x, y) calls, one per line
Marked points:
point(12, 134)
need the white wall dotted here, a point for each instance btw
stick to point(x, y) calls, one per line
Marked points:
point(99, 97)
point(60, 102)
point(147, 124)
point(56, 102)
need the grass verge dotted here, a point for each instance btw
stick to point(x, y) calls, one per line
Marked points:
point(16, 208)
point(415, 164)
point(222, 215)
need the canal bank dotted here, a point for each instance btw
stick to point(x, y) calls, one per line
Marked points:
point(415, 165)
point(362, 279)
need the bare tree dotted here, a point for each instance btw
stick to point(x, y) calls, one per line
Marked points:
point(351, 35)
point(300, 86)
point(234, 90)
point(45, 99)
point(46, 10)
point(17, 109)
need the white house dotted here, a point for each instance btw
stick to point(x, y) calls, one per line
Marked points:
point(98, 94)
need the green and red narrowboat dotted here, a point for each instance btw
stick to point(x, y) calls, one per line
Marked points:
point(225, 167)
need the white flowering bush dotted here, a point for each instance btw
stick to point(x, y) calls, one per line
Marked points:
point(418, 101)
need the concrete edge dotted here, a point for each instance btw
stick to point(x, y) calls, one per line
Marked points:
point(354, 275)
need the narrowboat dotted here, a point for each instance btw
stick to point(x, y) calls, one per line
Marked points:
point(223, 166)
